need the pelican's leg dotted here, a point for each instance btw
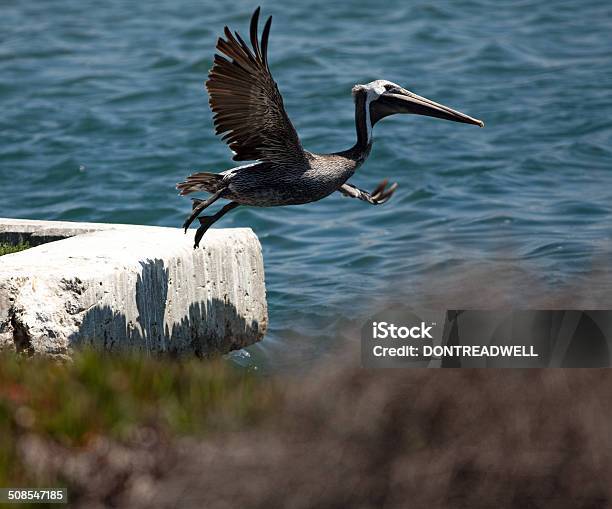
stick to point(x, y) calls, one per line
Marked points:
point(379, 196)
point(207, 221)
point(200, 205)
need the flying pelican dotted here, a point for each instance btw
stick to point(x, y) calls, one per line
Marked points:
point(249, 112)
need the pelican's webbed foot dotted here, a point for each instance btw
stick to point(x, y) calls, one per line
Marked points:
point(200, 205)
point(207, 221)
point(379, 196)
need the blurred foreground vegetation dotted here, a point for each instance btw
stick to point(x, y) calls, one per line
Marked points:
point(10, 248)
point(73, 403)
point(138, 432)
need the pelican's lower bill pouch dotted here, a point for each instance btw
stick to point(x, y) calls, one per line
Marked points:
point(403, 337)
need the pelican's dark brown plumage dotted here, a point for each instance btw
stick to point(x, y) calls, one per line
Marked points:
point(248, 112)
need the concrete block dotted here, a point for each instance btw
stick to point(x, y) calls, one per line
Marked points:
point(137, 287)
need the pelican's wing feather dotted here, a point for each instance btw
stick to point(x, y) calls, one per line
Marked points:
point(247, 106)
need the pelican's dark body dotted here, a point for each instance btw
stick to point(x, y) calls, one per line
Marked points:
point(265, 185)
point(249, 112)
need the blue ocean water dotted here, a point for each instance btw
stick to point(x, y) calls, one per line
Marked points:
point(103, 110)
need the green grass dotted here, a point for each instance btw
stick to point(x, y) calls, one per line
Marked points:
point(10, 248)
point(115, 396)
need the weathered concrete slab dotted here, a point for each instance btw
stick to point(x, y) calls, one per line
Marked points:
point(134, 287)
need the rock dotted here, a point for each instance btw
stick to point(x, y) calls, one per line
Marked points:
point(138, 287)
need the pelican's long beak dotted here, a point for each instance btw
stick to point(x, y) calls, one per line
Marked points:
point(407, 102)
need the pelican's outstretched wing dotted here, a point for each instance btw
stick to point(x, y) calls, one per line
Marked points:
point(246, 103)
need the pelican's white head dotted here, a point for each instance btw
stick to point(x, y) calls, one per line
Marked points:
point(381, 98)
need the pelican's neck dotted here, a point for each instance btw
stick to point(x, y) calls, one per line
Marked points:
point(363, 122)
point(363, 125)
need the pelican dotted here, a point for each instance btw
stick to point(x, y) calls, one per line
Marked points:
point(248, 111)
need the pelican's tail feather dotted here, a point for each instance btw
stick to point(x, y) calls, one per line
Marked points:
point(204, 181)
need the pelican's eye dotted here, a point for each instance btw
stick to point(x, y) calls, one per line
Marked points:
point(394, 89)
